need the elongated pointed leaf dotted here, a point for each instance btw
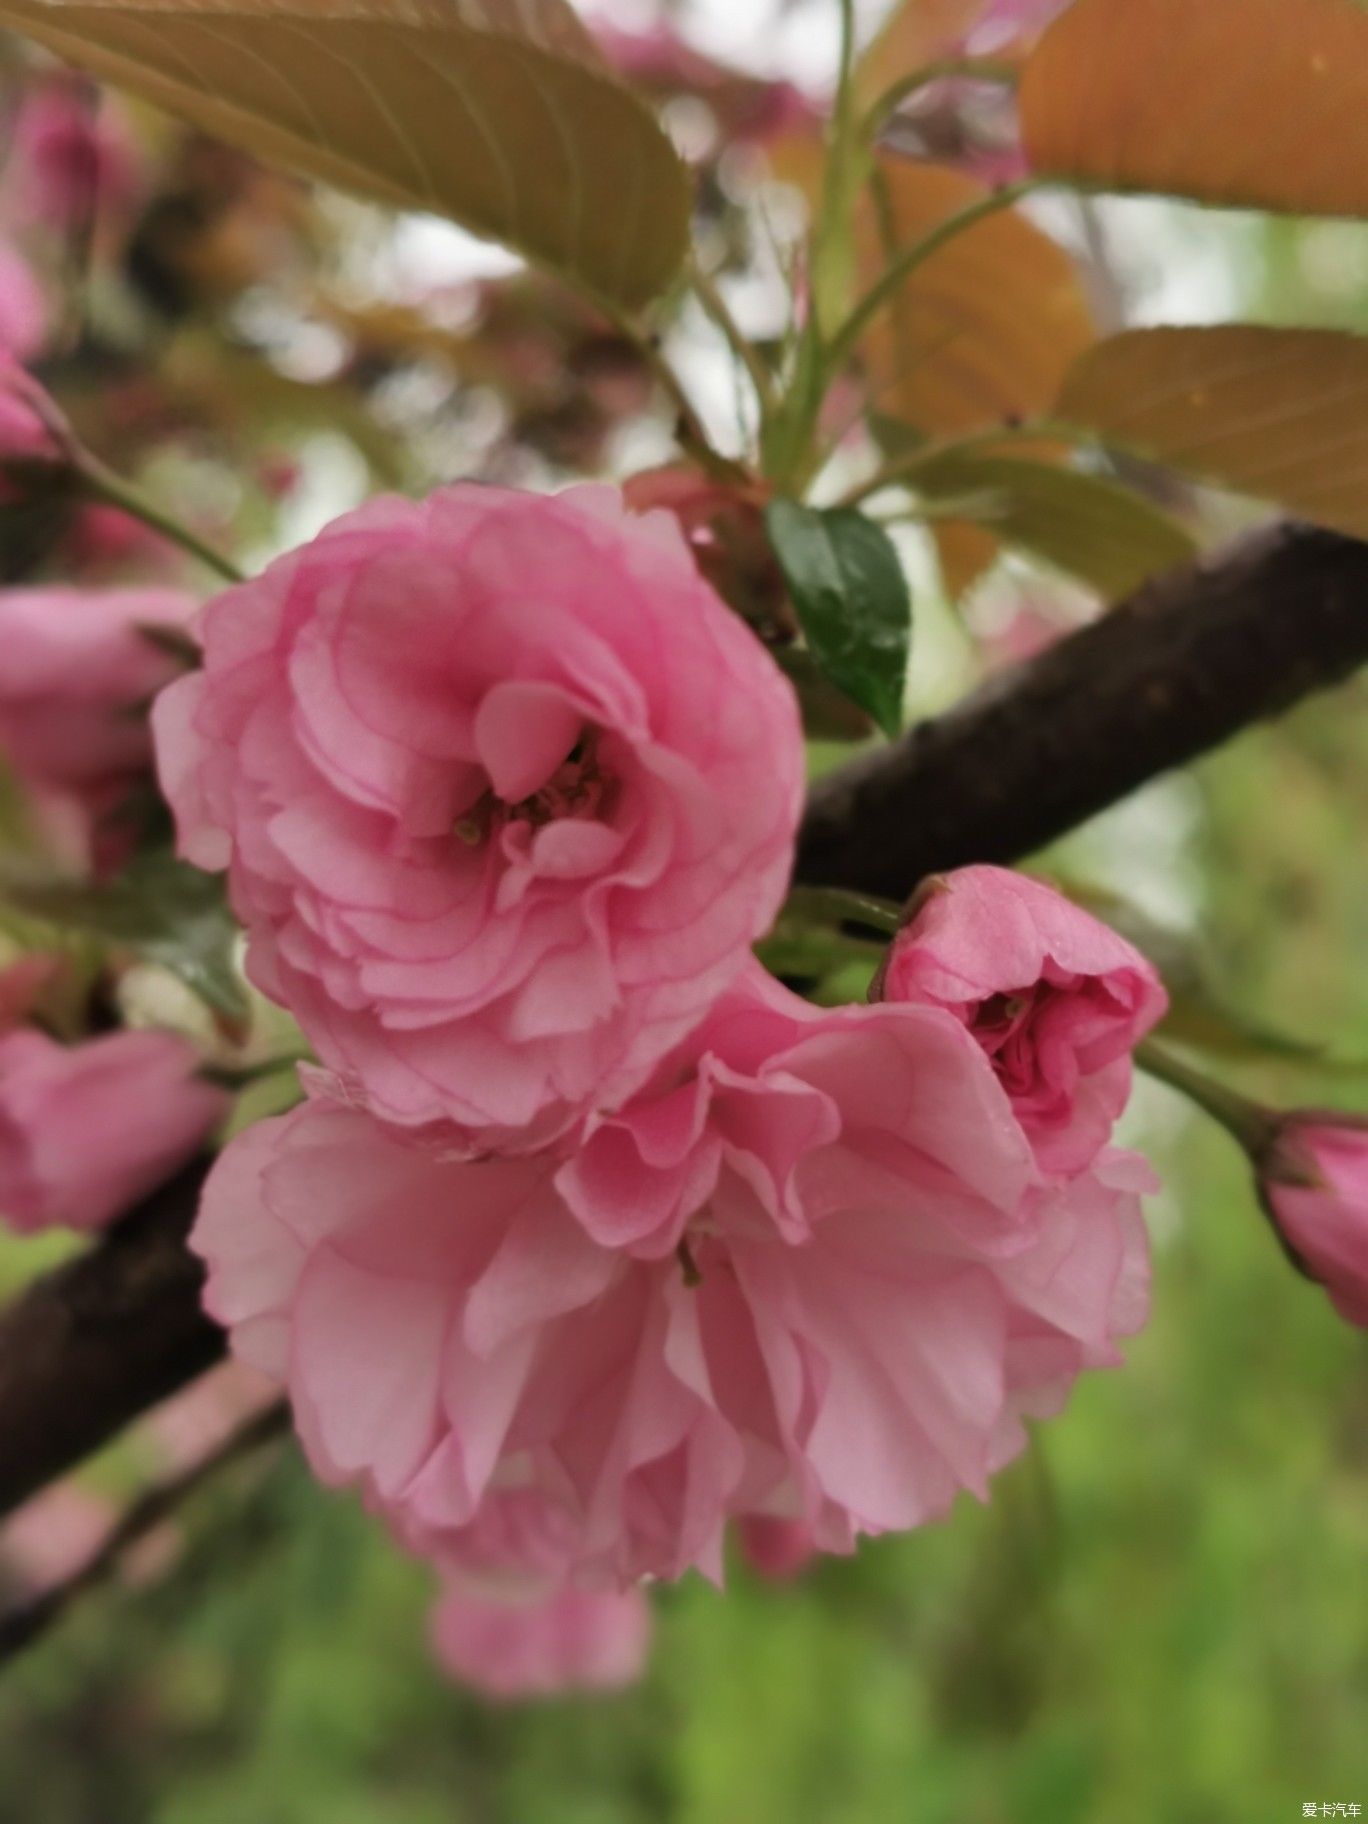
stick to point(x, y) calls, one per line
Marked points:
point(492, 112)
point(1250, 103)
point(852, 601)
point(1281, 414)
point(1099, 531)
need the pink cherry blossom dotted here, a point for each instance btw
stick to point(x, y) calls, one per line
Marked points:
point(1314, 1178)
point(506, 792)
point(77, 671)
point(521, 1643)
point(23, 307)
point(72, 156)
point(26, 419)
point(1056, 999)
point(87, 1130)
point(813, 1271)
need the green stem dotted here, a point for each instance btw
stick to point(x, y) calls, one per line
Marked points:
point(831, 274)
point(836, 905)
point(690, 431)
point(243, 1076)
point(745, 351)
point(847, 337)
point(832, 256)
point(1252, 1125)
point(981, 69)
point(102, 484)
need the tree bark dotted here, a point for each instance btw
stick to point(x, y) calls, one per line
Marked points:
point(1168, 674)
point(1165, 676)
point(88, 1347)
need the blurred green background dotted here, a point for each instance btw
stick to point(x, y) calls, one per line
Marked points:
point(1163, 1615)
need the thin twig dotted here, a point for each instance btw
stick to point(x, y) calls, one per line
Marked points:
point(844, 342)
point(26, 1623)
point(905, 469)
point(1251, 1125)
point(690, 431)
point(745, 350)
point(102, 484)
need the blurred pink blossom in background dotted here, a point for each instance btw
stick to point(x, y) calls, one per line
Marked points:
point(88, 1129)
point(535, 1643)
point(77, 679)
point(72, 156)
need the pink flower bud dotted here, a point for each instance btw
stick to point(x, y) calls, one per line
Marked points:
point(1056, 999)
point(1314, 1180)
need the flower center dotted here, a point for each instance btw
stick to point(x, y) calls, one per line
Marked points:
point(577, 789)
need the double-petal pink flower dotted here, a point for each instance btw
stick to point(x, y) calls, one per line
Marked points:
point(813, 1271)
point(505, 791)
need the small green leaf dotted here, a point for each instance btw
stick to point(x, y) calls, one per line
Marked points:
point(851, 599)
point(159, 908)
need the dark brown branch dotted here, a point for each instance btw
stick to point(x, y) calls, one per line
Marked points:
point(29, 1621)
point(1168, 675)
point(1164, 677)
point(87, 1348)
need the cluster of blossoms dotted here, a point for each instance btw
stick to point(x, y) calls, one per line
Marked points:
point(591, 1241)
point(590, 1237)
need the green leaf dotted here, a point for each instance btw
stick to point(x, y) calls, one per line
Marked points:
point(851, 599)
point(1088, 525)
point(497, 113)
point(161, 909)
